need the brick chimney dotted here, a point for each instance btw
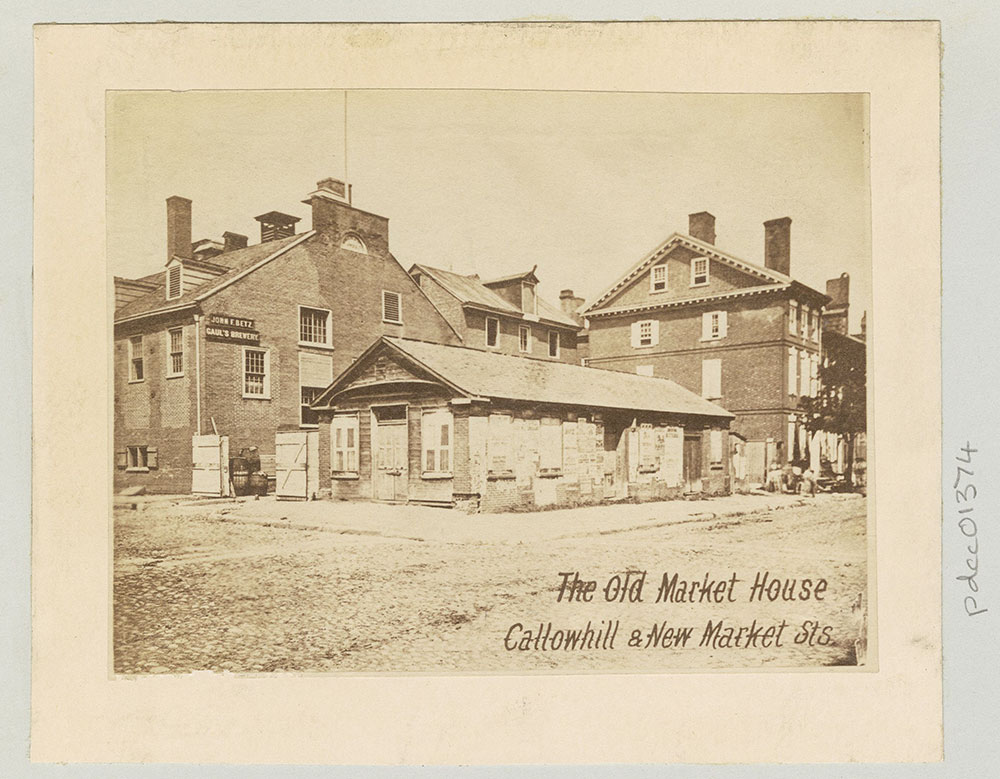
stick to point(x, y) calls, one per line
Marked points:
point(570, 304)
point(778, 245)
point(330, 196)
point(233, 241)
point(836, 311)
point(178, 227)
point(702, 227)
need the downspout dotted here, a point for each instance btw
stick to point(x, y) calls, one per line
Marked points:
point(197, 372)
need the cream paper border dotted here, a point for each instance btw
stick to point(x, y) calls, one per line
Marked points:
point(79, 713)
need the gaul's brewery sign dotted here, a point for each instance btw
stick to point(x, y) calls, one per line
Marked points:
point(231, 329)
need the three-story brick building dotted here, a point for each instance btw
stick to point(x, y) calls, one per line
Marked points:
point(742, 335)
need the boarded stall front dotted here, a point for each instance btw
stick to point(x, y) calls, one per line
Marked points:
point(418, 422)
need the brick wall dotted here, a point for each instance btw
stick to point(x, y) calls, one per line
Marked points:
point(509, 335)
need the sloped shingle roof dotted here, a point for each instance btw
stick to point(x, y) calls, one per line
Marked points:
point(469, 289)
point(491, 375)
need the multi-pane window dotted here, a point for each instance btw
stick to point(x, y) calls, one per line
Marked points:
point(256, 373)
point(492, 331)
point(658, 278)
point(645, 333)
point(713, 325)
point(392, 307)
point(175, 352)
point(553, 343)
point(314, 326)
point(435, 437)
point(344, 443)
point(804, 324)
point(137, 458)
point(524, 338)
point(135, 365)
point(174, 287)
point(793, 317)
point(699, 271)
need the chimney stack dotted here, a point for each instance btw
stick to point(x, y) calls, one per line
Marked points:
point(570, 304)
point(836, 311)
point(325, 202)
point(233, 241)
point(178, 227)
point(778, 245)
point(702, 227)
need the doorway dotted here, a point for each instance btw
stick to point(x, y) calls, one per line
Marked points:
point(390, 471)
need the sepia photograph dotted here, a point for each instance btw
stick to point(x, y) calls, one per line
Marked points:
point(596, 403)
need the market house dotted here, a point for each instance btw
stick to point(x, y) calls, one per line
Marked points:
point(417, 422)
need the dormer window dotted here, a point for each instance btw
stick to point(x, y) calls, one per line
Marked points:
point(658, 279)
point(353, 242)
point(174, 281)
point(528, 304)
point(699, 271)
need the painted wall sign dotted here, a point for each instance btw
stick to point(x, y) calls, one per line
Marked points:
point(232, 322)
point(231, 329)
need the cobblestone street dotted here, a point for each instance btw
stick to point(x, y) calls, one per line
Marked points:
point(263, 586)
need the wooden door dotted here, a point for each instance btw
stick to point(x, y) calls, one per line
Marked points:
point(291, 464)
point(390, 471)
point(692, 463)
point(210, 465)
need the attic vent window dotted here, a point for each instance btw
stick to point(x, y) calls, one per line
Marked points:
point(699, 271)
point(354, 243)
point(174, 287)
point(392, 307)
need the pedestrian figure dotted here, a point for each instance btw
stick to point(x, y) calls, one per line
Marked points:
point(808, 484)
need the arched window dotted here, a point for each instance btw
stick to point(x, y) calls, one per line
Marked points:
point(354, 243)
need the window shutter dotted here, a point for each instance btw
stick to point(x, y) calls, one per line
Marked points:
point(723, 324)
point(267, 374)
point(711, 378)
point(635, 335)
point(121, 458)
point(152, 460)
point(706, 325)
point(656, 332)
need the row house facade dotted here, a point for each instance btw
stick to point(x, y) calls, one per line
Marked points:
point(504, 315)
point(745, 336)
point(239, 340)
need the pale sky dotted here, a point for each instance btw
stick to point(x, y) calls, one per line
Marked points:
point(583, 184)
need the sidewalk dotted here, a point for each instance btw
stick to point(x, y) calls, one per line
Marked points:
point(421, 523)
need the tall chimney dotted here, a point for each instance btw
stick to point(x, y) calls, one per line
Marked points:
point(702, 227)
point(836, 311)
point(233, 241)
point(570, 304)
point(325, 202)
point(178, 227)
point(778, 245)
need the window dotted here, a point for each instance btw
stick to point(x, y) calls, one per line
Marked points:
point(354, 243)
point(804, 372)
point(550, 446)
point(138, 458)
point(435, 439)
point(492, 331)
point(714, 325)
point(658, 279)
point(715, 448)
point(814, 375)
point(135, 369)
point(307, 416)
point(256, 373)
point(793, 317)
point(392, 307)
point(524, 338)
point(174, 281)
point(314, 326)
point(804, 323)
point(644, 370)
point(553, 343)
point(175, 352)
point(699, 271)
point(793, 364)
point(344, 444)
point(815, 326)
point(645, 333)
point(711, 378)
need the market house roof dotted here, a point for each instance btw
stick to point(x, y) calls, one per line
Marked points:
point(475, 373)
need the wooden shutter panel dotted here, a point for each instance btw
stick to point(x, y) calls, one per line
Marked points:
point(152, 457)
point(706, 325)
point(121, 458)
point(656, 332)
point(723, 324)
point(635, 335)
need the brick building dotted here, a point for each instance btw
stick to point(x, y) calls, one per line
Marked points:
point(239, 338)
point(505, 315)
point(743, 335)
point(419, 422)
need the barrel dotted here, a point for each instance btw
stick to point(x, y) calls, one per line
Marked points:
point(258, 483)
point(239, 472)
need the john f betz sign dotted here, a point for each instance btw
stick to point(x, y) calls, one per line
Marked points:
point(232, 329)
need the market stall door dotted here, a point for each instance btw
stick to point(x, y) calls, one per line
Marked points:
point(296, 464)
point(692, 463)
point(210, 465)
point(390, 467)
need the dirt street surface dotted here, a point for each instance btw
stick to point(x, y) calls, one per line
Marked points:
point(263, 586)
